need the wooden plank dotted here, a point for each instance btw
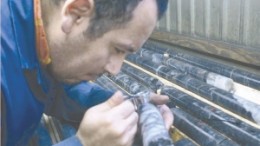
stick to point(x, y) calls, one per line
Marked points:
point(231, 51)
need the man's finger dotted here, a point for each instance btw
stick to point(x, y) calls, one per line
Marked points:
point(167, 116)
point(132, 128)
point(159, 99)
point(112, 102)
point(131, 120)
point(131, 135)
point(124, 110)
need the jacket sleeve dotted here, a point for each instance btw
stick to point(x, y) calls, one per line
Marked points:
point(72, 141)
point(72, 101)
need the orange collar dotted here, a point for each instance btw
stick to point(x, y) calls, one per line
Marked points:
point(43, 50)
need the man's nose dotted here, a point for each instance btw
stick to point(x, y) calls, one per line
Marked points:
point(114, 65)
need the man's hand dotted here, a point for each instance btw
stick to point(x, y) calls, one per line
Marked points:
point(161, 100)
point(112, 123)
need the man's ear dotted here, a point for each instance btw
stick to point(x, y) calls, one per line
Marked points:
point(74, 11)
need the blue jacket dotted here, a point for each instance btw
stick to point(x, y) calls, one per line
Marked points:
point(26, 90)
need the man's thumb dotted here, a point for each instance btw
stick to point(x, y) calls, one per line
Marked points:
point(112, 102)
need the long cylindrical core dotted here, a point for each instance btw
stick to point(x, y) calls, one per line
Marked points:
point(153, 129)
point(241, 76)
point(220, 97)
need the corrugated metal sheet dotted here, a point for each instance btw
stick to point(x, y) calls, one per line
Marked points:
point(236, 22)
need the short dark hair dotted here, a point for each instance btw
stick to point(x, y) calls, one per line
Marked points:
point(110, 14)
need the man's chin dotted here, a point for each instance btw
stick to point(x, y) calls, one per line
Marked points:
point(75, 81)
point(93, 77)
point(69, 81)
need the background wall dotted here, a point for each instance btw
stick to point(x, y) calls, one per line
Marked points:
point(226, 28)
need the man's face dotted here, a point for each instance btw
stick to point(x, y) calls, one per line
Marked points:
point(76, 58)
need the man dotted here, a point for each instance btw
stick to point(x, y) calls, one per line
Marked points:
point(77, 40)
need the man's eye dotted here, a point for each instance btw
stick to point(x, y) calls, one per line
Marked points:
point(119, 51)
